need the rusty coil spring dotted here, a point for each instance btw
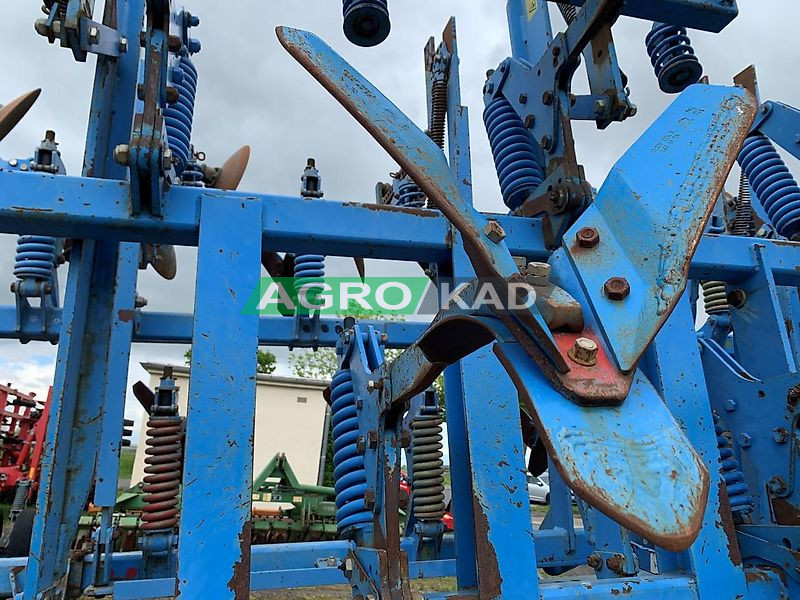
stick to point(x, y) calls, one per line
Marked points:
point(427, 466)
point(163, 472)
point(715, 297)
point(743, 223)
point(438, 111)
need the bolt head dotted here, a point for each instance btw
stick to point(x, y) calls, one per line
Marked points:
point(546, 142)
point(583, 352)
point(123, 45)
point(547, 97)
point(523, 98)
point(780, 435)
point(730, 405)
point(494, 231)
point(587, 237)
point(595, 561)
point(94, 35)
point(370, 386)
point(632, 110)
point(166, 159)
point(122, 154)
point(744, 440)
point(617, 288)
point(530, 121)
point(599, 107)
point(13, 162)
point(537, 273)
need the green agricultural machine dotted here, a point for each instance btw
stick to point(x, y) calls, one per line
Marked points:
point(284, 510)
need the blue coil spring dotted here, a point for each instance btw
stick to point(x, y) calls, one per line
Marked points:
point(409, 195)
point(36, 257)
point(672, 57)
point(348, 472)
point(772, 183)
point(366, 22)
point(514, 151)
point(738, 492)
point(192, 175)
point(308, 268)
point(179, 116)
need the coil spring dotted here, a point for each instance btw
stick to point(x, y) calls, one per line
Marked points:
point(409, 195)
point(743, 224)
point(672, 57)
point(427, 465)
point(772, 184)
point(308, 268)
point(438, 111)
point(163, 458)
point(179, 116)
point(366, 22)
point(515, 157)
point(738, 492)
point(20, 496)
point(36, 257)
point(348, 472)
point(192, 175)
point(715, 297)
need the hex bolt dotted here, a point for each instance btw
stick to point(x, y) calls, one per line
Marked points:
point(123, 45)
point(730, 405)
point(348, 567)
point(384, 338)
point(537, 273)
point(139, 301)
point(530, 121)
point(595, 561)
point(737, 298)
point(617, 288)
point(13, 162)
point(583, 352)
point(361, 445)
point(166, 159)
point(587, 237)
point(744, 440)
point(521, 263)
point(599, 107)
point(494, 231)
point(94, 35)
point(372, 436)
point(547, 98)
point(777, 485)
point(370, 386)
point(523, 98)
point(546, 142)
point(616, 564)
point(122, 154)
point(780, 435)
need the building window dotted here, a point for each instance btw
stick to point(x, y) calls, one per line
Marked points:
point(302, 400)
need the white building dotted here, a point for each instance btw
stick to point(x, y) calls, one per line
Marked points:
point(291, 417)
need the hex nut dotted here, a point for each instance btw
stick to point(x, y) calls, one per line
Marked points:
point(587, 237)
point(537, 273)
point(595, 561)
point(94, 35)
point(494, 231)
point(584, 352)
point(617, 288)
point(122, 154)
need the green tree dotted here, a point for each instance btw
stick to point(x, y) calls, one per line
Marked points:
point(266, 363)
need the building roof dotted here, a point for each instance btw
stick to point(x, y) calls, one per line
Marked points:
point(158, 368)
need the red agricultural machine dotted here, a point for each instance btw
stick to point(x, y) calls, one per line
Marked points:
point(22, 428)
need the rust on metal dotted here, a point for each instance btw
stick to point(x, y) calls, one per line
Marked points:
point(239, 582)
point(726, 518)
point(489, 579)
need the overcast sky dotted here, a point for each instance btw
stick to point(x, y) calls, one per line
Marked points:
point(252, 92)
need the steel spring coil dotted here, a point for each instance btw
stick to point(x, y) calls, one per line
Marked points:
point(427, 465)
point(743, 224)
point(179, 116)
point(738, 492)
point(438, 111)
point(192, 175)
point(772, 184)
point(409, 195)
point(308, 268)
point(162, 481)
point(715, 297)
point(348, 472)
point(366, 22)
point(672, 57)
point(514, 152)
point(36, 257)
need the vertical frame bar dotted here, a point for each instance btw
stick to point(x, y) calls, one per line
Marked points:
point(214, 538)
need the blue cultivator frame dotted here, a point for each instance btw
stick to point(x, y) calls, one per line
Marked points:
point(680, 445)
